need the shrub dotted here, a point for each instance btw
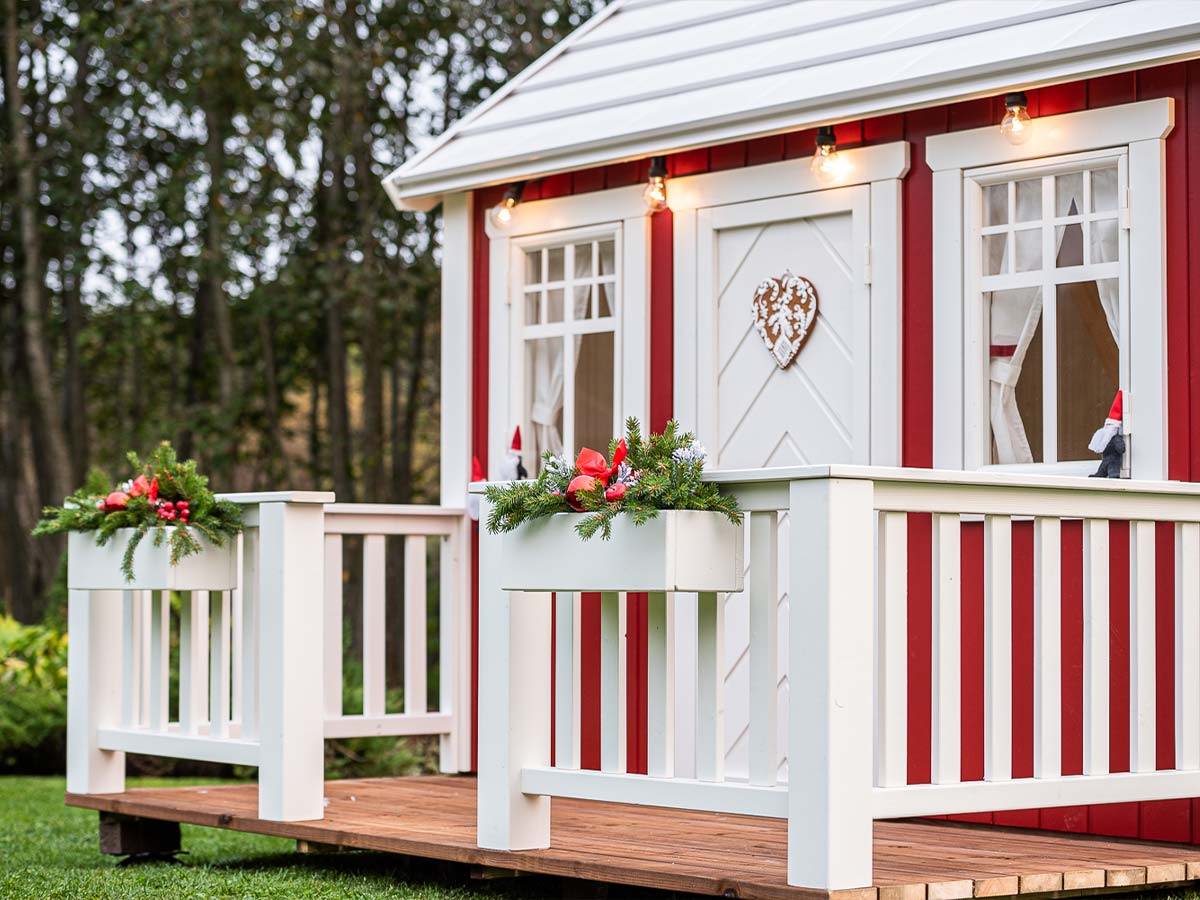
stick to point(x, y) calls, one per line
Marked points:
point(33, 697)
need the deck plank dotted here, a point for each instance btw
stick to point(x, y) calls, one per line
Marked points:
point(679, 850)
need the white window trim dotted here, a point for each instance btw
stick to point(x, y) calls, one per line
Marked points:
point(622, 212)
point(1140, 128)
point(881, 167)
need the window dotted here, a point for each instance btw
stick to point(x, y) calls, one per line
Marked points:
point(1051, 263)
point(1035, 247)
point(569, 309)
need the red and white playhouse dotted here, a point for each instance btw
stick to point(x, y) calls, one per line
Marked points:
point(984, 290)
point(987, 218)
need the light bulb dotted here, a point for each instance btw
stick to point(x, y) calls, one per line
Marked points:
point(655, 193)
point(1016, 125)
point(827, 164)
point(501, 213)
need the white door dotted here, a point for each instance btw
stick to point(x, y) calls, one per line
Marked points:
point(751, 413)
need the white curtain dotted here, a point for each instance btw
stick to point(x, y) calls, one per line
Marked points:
point(547, 365)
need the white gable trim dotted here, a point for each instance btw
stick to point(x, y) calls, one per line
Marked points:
point(1142, 128)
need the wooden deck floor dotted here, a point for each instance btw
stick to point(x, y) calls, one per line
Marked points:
point(706, 853)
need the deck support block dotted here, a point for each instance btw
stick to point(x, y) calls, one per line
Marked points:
point(130, 835)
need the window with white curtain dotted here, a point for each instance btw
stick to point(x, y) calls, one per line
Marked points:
point(1051, 261)
point(570, 309)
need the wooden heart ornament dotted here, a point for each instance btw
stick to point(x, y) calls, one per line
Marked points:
point(785, 311)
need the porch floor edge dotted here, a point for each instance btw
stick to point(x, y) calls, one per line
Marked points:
point(696, 852)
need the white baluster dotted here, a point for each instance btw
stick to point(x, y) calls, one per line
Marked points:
point(247, 657)
point(764, 646)
point(415, 604)
point(373, 633)
point(1141, 647)
point(160, 658)
point(1095, 647)
point(660, 685)
point(566, 681)
point(130, 658)
point(333, 626)
point(947, 643)
point(1047, 660)
point(193, 661)
point(997, 648)
point(612, 682)
point(219, 646)
point(710, 687)
point(891, 667)
point(1187, 645)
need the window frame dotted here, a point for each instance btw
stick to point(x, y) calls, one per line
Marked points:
point(977, 390)
point(1140, 128)
point(538, 223)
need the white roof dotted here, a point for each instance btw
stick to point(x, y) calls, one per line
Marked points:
point(647, 77)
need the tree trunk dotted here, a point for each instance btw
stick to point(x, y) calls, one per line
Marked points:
point(74, 399)
point(406, 440)
point(272, 450)
point(50, 442)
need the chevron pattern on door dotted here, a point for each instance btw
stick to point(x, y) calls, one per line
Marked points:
point(769, 416)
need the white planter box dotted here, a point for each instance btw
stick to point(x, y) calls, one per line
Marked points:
point(94, 568)
point(678, 550)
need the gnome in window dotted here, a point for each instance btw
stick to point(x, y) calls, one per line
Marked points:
point(1109, 443)
point(511, 468)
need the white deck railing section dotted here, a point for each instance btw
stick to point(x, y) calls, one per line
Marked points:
point(846, 644)
point(250, 662)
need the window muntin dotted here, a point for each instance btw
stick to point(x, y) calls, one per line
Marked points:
point(570, 310)
point(1052, 367)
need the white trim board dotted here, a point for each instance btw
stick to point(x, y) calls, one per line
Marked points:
point(1092, 129)
point(1141, 129)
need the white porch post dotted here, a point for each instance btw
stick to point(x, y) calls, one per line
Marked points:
point(291, 776)
point(514, 705)
point(93, 691)
point(831, 565)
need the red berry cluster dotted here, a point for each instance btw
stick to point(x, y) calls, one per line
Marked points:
point(171, 511)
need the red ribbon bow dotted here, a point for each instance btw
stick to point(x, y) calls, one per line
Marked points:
point(594, 470)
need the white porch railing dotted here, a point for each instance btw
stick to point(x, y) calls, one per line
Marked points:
point(846, 647)
point(251, 662)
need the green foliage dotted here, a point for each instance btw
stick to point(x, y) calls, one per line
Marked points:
point(662, 471)
point(33, 684)
point(146, 503)
point(50, 853)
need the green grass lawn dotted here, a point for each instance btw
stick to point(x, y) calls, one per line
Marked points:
point(48, 850)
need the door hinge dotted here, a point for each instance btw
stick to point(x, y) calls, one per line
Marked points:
point(867, 264)
point(1124, 211)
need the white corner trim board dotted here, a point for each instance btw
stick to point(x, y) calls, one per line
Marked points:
point(1091, 129)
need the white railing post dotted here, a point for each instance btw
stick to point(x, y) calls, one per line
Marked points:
point(291, 548)
point(514, 705)
point(93, 691)
point(831, 570)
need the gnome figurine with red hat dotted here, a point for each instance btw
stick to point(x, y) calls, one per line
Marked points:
point(512, 469)
point(1109, 443)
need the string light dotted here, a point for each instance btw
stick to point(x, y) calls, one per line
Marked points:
point(501, 213)
point(1016, 124)
point(655, 193)
point(827, 164)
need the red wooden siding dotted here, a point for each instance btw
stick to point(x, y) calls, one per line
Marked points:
point(1169, 820)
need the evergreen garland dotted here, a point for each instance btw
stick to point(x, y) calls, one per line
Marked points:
point(641, 476)
point(167, 497)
